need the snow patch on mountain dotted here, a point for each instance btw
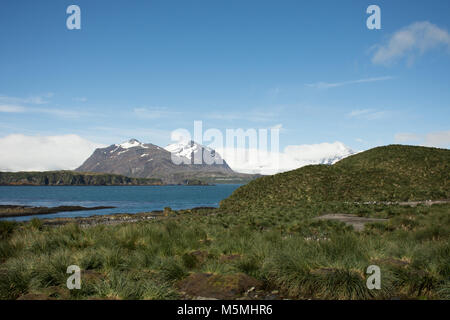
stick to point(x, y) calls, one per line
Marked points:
point(132, 143)
point(323, 153)
point(189, 149)
point(183, 149)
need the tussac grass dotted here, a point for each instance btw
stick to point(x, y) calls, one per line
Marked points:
point(390, 173)
point(269, 225)
point(294, 254)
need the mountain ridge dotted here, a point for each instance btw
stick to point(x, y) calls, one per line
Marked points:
point(145, 160)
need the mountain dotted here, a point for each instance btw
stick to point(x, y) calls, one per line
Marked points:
point(322, 153)
point(389, 173)
point(136, 159)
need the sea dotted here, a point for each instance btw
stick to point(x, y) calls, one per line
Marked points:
point(125, 199)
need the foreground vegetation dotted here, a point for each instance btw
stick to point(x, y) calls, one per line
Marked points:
point(265, 238)
point(286, 251)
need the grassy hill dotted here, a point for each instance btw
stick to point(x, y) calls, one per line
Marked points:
point(70, 178)
point(389, 173)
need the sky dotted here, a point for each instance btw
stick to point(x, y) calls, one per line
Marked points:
point(141, 69)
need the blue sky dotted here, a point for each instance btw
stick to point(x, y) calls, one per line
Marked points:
point(144, 68)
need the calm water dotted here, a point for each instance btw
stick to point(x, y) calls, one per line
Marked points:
point(126, 199)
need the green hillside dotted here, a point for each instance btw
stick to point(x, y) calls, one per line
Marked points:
point(390, 173)
point(70, 178)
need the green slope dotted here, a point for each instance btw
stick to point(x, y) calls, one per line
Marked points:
point(390, 173)
point(71, 178)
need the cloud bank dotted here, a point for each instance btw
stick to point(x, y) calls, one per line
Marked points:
point(367, 114)
point(433, 139)
point(39, 99)
point(7, 108)
point(411, 41)
point(19, 152)
point(154, 113)
point(292, 157)
point(327, 85)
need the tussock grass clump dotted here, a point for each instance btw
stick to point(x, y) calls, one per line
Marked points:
point(7, 228)
point(14, 279)
point(296, 255)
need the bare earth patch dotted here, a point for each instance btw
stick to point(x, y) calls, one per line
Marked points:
point(350, 219)
point(408, 203)
point(217, 286)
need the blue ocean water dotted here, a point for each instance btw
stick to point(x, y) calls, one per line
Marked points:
point(126, 199)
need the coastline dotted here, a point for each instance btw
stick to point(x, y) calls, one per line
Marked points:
point(8, 211)
point(119, 218)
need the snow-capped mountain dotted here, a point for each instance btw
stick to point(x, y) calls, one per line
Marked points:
point(323, 153)
point(145, 160)
point(195, 152)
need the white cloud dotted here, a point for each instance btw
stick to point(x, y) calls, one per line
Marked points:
point(411, 41)
point(326, 85)
point(51, 111)
point(154, 113)
point(34, 105)
point(438, 139)
point(368, 114)
point(433, 139)
point(39, 99)
point(359, 112)
point(114, 134)
point(59, 112)
point(292, 157)
point(406, 137)
point(274, 92)
point(254, 116)
point(39, 153)
point(11, 108)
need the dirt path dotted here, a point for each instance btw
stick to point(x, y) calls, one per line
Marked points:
point(407, 203)
point(350, 219)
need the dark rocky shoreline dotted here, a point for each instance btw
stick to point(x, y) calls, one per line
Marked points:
point(7, 211)
point(118, 218)
point(93, 220)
